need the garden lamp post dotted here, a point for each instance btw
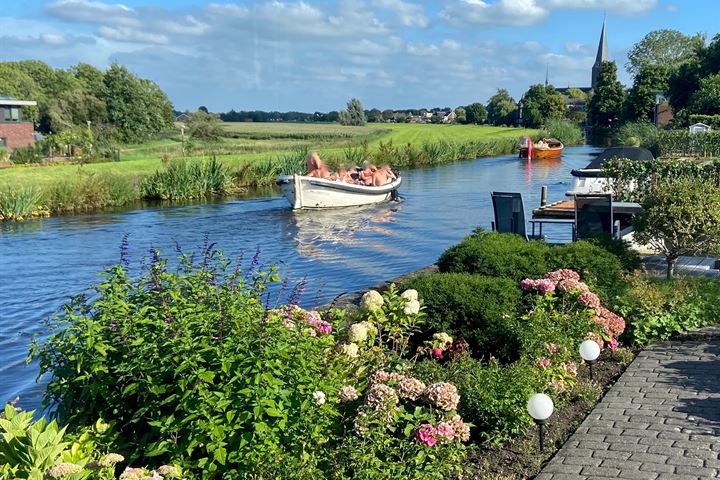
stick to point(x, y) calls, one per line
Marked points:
point(590, 351)
point(540, 407)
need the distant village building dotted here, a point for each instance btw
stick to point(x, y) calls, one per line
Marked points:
point(183, 117)
point(699, 128)
point(14, 131)
point(449, 117)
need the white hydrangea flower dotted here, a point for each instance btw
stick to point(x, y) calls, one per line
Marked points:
point(410, 294)
point(350, 349)
point(412, 307)
point(319, 397)
point(358, 332)
point(443, 338)
point(371, 301)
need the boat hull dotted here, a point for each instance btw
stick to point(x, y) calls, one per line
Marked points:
point(541, 153)
point(311, 192)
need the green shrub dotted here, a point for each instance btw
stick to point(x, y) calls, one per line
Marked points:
point(638, 134)
point(88, 191)
point(629, 259)
point(20, 203)
point(597, 266)
point(658, 309)
point(568, 133)
point(480, 309)
point(183, 180)
point(496, 255)
point(494, 396)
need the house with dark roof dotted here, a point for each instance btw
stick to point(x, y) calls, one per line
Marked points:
point(15, 132)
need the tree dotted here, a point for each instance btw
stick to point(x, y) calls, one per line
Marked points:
point(374, 115)
point(607, 102)
point(204, 126)
point(461, 115)
point(707, 99)
point(90, 77)
point(388, 115)
point(668, 48)
point(680, 217)
point(641, 100)
point(203, 108)
point(475, 113)
point(682, 83)
point(502, 108)
point(540, 104)
point(354, 115)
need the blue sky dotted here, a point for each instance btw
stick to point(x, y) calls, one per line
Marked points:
point(314, 55)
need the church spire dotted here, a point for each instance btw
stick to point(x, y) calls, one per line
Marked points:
point(602, 56)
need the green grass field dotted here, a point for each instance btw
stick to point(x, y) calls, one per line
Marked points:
point(256, 141)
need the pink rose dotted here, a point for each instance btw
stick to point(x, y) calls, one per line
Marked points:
point(437, 352)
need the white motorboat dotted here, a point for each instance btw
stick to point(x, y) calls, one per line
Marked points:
point(592, 180)
point(312, 192)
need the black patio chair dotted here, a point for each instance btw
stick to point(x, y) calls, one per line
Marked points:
point(510, 214)
point(593, 216)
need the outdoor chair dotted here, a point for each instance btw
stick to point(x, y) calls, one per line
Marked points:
point(593, 216)
point(509, 212)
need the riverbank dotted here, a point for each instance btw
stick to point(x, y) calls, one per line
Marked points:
point(269, 150)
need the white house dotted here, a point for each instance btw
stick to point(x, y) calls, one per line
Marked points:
point(700, 127)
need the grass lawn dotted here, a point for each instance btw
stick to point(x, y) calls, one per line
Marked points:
point(256, 141)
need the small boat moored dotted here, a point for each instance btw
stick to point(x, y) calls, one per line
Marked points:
point(545, 148)
point(312, 192)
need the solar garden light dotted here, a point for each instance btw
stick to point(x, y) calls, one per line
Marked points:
point(590, 351)
point(540, 407)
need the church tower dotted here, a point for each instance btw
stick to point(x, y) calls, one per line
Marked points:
point(602, 56)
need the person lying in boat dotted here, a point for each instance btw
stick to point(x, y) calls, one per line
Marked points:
point(316, 167)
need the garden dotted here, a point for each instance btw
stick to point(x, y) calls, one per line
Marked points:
point(207, 367)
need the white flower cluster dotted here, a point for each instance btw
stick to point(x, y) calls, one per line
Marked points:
point(371, 301)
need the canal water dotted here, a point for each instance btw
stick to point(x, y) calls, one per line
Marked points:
point(44, 262)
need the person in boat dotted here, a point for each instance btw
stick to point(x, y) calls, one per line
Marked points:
point(342, 175)
point(383, 176)
point(367, 174)
point(316, 167)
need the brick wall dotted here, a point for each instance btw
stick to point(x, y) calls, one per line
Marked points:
point(17, 134)
point(663, 114)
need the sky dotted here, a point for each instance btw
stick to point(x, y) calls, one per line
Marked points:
point(313, 55)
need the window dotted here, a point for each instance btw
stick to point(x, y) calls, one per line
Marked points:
point(11, 114)
point(3, 143)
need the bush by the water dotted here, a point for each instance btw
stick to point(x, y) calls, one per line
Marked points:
point(480, 309)
point(598, 267)
point(638, 134)
point(185, 179)
point(192, 366)
point(87, 191)
point(567, 132)
point(496, 255)
point(19, 203)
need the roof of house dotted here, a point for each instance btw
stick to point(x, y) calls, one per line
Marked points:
point(700, 124)
point(14, 102)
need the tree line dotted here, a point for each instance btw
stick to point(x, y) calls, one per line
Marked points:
point(114, 103)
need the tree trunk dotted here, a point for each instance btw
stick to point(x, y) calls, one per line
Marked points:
point(671, 262)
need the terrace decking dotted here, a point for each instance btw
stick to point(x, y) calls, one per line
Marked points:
point(565, 209)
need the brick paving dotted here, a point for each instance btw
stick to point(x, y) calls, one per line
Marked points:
point(661, 420)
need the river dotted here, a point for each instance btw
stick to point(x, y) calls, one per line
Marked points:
point(44, 262)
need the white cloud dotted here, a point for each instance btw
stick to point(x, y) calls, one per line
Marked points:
point(576, 47)
point(125, 34)
point(501, 12)
point(87, 11)
point(620, 7)
point(409, 14)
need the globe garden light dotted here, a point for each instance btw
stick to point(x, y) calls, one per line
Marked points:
point(540, 407)
point(590, 351)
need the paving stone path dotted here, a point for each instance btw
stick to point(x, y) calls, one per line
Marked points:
point(661, 420)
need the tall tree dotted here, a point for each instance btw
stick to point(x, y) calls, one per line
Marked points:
point(502, 108)
point(540, 104)
point(475, 113)
point(706, 100)
point(682, 83)
point(668, 48)
point(606, 103)
point(641, 99)
point(354, 114)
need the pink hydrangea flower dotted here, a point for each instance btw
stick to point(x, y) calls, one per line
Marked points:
point(543, 362)
point(589, 299)
point(562, 274)
point(613, 344)
point(426, 434)
point(443, 395)
point(596, 338)
point(528, 285)
point(437, 352)
point(552, 348)
point(570, 368)
point(572, 285)
point(445, 431)
point(544, 285)
point(462, 431)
